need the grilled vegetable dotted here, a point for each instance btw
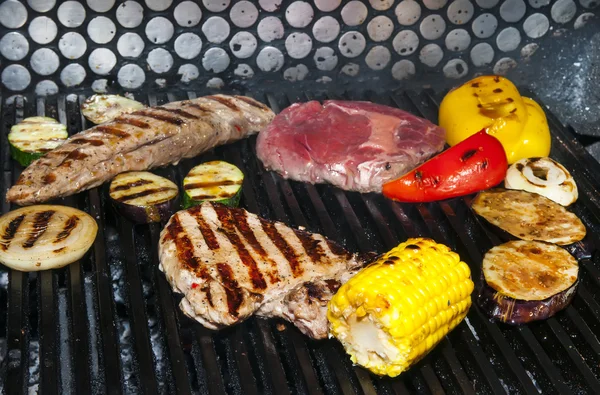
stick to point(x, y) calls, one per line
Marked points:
point(529, 216)
point(527, 281)
point(493, 103)
point(143, 197)
point(477, 163)
point(394, 311)
point(215, 181)
point(31, 138)
point(104, 108)
point(545, 177)
point(45, 237)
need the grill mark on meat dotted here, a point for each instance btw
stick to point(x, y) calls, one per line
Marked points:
point(10, 231)
point(143, 193)
point(337, 249)
point(130, 185)
point(83, 140)
point(40, 224)
point(67, 228)
point(224, 101)
point(207, 233)
point(211, 184)
point(183, 245)
point(109, 129)
point(133, 122)
point(49, 178)
point(232, 289)
point(283, 246)
point(241, 223)
point(228, 229)
point(179, 112)
point(199, 107)
point(160, 117)
point(253, 103)
point(312, 247)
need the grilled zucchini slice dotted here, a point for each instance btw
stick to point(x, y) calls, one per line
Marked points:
point(215, 181)
point(45, 237)
point(31, 138)
point(143, 197)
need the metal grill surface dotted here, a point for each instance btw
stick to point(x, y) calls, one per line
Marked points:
point(110, 323)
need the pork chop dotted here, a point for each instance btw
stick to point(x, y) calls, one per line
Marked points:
point(141, 140)
point(352, 145)
point(230, 264)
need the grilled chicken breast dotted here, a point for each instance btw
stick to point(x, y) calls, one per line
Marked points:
point(230, 264)
point(141, 140)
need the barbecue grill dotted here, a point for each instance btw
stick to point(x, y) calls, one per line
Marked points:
point(110, 323)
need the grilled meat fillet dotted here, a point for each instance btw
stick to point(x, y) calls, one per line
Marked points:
point(141, 140)
point(230, 264)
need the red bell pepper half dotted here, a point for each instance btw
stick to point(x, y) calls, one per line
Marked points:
point(477, 163)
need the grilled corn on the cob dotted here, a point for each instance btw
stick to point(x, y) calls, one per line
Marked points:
point(394, 311)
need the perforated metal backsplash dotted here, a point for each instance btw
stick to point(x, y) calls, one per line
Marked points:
point(55, 47)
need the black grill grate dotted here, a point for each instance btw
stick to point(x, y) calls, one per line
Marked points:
point(111, 324)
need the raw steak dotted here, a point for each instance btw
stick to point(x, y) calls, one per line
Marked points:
point(353, 145)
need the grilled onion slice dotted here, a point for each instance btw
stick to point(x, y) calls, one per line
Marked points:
point(545, 177)
point(529, 216)
point(45, 237)
point(143, 197)
point(104, 108)
point(526, 281)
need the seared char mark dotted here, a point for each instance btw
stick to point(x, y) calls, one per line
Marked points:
point(109, 129)
point(59, 250)
point(252, 102)
point(160, 117)
point(83, 140)
point(67, 228)
point(183, 245)
point(49, 178)
point(211, 184)
point(224, 101)
point(131, 185)
point(143, 193)
point(179, 112)
point(76, 155)
point(241, 223)
point(207, 233)
point(133, 122)
point(10, 231)
point(229, 230)
point(337, 249)
point(40, 224)
point(283, 246)
point(312, 247)
point(199, 107)
point(333, 285)
point(232, 289)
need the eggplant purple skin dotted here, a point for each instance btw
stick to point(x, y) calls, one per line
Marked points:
point(516, 312)
point(160, 212)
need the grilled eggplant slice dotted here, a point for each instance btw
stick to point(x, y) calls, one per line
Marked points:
point(545, 177)
point(45, 237)
point(215, 181)
point(526, 281)
point(143, 197)
point(31, 138)
point(529, 216)
point(104, 108)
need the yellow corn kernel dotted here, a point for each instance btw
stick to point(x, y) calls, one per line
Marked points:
point(394, 311)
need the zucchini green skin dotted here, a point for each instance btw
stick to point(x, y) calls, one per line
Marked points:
point(233, 201)
point(215, 181)
point(24, 158)
point(33, 137)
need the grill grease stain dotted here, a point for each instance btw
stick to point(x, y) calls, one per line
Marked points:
point(40, 224)
point(10, 231)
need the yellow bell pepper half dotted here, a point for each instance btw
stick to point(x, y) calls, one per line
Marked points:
point(493, 103)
